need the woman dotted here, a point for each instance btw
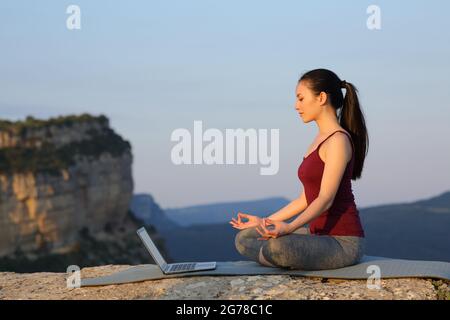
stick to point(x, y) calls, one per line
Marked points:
point(335, 237)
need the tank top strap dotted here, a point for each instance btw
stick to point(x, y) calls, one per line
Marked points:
point(351, 141)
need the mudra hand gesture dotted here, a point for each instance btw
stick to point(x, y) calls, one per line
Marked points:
point(280, 229)
point(253, 221)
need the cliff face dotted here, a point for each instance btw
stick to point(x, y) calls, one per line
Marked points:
point(59, 177)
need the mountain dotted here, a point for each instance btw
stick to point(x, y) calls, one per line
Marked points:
point(145, 209)
point(184, 230)
point(223, 212)
point(415, 230)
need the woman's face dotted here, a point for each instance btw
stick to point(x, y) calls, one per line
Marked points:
point(307, 104)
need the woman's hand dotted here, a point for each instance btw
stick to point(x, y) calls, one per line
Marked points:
point(253, 221)
point(280, 229)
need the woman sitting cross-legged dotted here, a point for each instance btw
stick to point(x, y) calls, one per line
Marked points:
point(335, 237)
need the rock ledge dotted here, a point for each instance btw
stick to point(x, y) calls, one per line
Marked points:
point(53, 286)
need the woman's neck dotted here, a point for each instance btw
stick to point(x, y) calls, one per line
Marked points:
point(327, 122)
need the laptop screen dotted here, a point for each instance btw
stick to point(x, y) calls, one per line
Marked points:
point(151, 247)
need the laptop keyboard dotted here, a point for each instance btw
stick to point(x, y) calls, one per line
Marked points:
point(182, 267)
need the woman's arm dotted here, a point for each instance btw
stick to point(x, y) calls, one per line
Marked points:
point(294, 207)
point(314, 210)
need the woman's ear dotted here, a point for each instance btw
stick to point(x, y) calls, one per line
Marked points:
point(323, 98)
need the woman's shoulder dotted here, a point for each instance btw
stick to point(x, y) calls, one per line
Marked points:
point(340, 138)
point(338, 135)
point(341, 134)
point(342, 131)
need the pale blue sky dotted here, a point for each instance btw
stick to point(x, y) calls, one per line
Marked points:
point(154, 66)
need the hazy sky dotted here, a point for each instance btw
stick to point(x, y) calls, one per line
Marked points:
point(155, 66)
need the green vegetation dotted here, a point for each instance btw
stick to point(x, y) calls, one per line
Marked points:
point(20, 127)
point(50, 159)
point(442, 288)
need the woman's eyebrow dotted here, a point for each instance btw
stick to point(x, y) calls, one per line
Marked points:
point(298, 94)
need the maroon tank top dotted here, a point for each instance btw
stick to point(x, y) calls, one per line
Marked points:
point(342, 218)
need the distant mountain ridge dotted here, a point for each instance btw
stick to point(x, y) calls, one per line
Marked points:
point(145, 209)
point(224, 211)
point(413, 230)
point(441, 201)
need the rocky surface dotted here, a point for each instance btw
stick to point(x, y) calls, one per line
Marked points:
point(53, 286)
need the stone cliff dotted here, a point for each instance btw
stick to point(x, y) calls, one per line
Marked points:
point(58, 177)
point(62, 179)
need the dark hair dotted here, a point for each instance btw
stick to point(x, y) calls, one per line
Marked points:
point(350, 116)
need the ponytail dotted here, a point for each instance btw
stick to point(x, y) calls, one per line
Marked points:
point(352, 119)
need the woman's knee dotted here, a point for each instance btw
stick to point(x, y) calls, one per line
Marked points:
point(245, 234)
point(242, 238)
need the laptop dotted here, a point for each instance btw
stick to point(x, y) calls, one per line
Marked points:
point(169, 268)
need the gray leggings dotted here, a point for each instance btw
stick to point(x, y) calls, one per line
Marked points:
point(302, 250)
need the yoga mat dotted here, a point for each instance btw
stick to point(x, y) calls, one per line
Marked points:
point(389, 268)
